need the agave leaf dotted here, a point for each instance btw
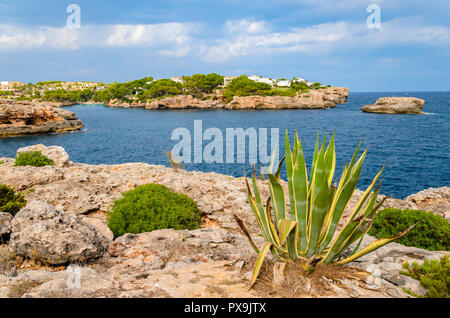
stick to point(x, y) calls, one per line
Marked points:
point(316, 153)
point(272, 158)
point(342, 238)
point(330, 160)
point(319, 205)
point(259, 263)
point(246, 232)
point(345, 191)
point(258, 209)
point(277, 198)
point(375, 245)
point(286, 226)
point(300, 190)
point(365, 196)
point(355, 155)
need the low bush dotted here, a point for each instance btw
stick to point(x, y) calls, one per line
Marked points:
point(433, 275)
point(10, 202)
point(152, 207)
point(432, 231)
point(32, 158)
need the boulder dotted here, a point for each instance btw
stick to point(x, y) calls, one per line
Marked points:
point(41, 232)
point(396, 105)
point(436, 200)
point(5, 224)
point(17, 119)
point(57, 154)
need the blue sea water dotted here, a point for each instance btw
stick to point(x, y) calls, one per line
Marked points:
point(414, 148)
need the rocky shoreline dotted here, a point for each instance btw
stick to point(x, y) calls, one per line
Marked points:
point(315, 99)
point(20, 119)
point(68, 202)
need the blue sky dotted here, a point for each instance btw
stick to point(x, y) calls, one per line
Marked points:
point(326, 41)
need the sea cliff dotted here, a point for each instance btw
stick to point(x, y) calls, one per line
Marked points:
point(18, 119)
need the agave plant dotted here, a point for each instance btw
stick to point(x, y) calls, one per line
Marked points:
point(308, 230)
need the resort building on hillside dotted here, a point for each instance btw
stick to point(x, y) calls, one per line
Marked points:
point(177, 79)
point(227, 79)
point(10, 86)
point(260, 79)
point(283, 83)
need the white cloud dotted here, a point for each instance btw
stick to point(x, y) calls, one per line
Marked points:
point(167, 35)
point(246, 26)
point(325, 37)
point(298, 39)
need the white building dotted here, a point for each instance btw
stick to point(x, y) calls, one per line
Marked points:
point(227, 79)
point(177, 79)
point(284, 83)
point(260, 79)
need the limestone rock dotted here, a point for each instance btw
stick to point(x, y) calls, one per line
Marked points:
point(18, 119)
point(100, 225)
point(386, 263)
point(436, 200)
point(321, 98)
point(41, 232)
point(396, 105)
point(57, 154)
point(185, 102)
point(5, 224)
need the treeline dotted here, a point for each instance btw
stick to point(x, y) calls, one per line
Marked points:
point(243, 86)
point(148, 89)
point(198, 85)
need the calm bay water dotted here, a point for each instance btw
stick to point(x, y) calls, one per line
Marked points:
point(415, 148)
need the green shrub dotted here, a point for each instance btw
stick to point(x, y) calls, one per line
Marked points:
point(32, 158)
point(431, 233)
point(433, 275)
point(2, 162)
point(152, 207)
point(10, 202)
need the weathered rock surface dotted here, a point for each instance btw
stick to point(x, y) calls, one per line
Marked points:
point(387, 262)
point(185, 102)
point(214, 261)
point(169, 263)
point(396, 105)
point(42, 233)
point(5, 225)
point(23, 119)
point(57, 154)
point(322, 98)
point(436, 200)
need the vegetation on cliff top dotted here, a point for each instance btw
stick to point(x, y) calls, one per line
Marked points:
point(32, 158)
point(10, 202)
point(433, 275)
point(153, 207)
point(432, 231)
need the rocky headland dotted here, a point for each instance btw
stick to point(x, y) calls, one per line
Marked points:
point(314, 99)
point(25, 118)
point(64, 223)
point(396, 105)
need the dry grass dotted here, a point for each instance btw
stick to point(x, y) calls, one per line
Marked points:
point(21, 288)
point(299, 283)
